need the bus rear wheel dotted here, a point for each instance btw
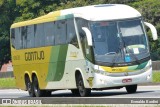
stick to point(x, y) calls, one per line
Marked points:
point(82, 90)
point(38, 92)
point(29, 87)
point(47, 93)
point(131, 88)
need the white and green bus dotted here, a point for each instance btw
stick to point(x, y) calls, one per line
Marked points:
point(82, 49)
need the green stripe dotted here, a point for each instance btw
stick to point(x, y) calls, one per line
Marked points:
point(131, 68)
point(57, 63)
point(137, 67)
point(141, 66)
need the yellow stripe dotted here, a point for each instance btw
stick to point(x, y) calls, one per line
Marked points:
point(114, 69)
point(46, 18)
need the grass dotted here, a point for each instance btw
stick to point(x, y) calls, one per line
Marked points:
point(65, 105)
point(58, 106)
point(10, 82)
point(7, 83)
point(156, 77)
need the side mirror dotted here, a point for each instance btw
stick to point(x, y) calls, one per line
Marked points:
point(153, 30)
point(89, 35)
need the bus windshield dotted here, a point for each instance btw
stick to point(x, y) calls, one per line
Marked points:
point(119, 41)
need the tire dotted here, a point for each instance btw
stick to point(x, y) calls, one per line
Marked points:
point(75, 91)
point(82, 90)
point(47, 93)
point(29, 87)
point(131, 88)
point(38, 92)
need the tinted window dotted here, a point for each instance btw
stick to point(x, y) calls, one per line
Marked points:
point(18, 41)
point(39, 35)
point(82, 23)
point(30, 36)
point(71, 34)
point(47, 34)
point(87, 50)
point(24, 37)
point(60, 32)
point(49, 29)
point(13, 37)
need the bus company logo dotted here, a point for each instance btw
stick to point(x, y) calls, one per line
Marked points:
point(117, 69)
point(33, 56)
point(6, 101)
point(73, 54)
point(126, 73)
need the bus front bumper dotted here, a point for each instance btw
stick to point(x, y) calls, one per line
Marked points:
point(103, 81)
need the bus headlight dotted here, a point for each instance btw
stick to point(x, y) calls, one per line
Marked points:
point(101, 72)
point(148, 77)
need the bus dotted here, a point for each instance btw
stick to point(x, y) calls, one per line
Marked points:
point(94, 47)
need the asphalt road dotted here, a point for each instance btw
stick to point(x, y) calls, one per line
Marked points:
point(142, 92)
point(144, 95)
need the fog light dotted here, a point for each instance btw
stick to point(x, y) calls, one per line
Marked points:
point(148, 77)
point(102, 81)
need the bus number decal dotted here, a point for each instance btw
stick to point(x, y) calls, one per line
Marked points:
point(32, 56)
point(16, 57)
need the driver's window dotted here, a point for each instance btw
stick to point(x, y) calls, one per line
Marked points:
point(87, 50)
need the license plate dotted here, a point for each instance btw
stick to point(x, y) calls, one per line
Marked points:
point(127, 80)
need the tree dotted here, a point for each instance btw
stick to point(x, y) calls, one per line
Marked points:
point(150, 10)
point(6, 19)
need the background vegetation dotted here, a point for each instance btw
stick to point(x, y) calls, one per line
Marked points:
point(7, 83)
point(19, 10)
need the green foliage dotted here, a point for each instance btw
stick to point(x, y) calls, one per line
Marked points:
point(20, 10)
point(156, 76)
point(7, 83)
point(150, 10)
point(6, 19)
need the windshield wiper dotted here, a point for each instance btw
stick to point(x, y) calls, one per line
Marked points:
point(121, 48)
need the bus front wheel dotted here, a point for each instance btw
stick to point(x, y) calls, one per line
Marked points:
point(131, 88)
point(82, 90)
point(75, 91)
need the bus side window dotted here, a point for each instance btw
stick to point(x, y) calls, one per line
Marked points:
point(82, 23)
point(49, 31)
point(30, 37)
point(18, 41)
point(24, 37)
point(39, 35)
point(13, 37)
point(60, 32)
point(71, 34)
point(87, 50)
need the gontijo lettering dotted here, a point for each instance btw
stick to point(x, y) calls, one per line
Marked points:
point(36, 55)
